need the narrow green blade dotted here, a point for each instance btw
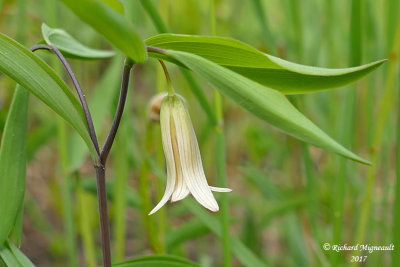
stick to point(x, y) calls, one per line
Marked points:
point(268, 104)
point(284, 76)
point(13, 162)
point(70, 47)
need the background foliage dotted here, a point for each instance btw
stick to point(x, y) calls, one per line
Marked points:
point(288, 200)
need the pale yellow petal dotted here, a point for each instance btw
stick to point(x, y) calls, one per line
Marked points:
point(165, 117)
point(180, 190)
point(220, 189)
point(192, 167)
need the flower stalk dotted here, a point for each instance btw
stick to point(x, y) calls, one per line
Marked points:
point(171, 91)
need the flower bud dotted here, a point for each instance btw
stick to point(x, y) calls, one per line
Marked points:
point(155, 107)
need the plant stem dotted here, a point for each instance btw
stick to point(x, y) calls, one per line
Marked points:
point(118, 114)
point(103, 211)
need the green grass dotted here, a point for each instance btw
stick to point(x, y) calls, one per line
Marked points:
point(288, 198)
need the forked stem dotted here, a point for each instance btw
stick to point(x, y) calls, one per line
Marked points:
point(100, 168)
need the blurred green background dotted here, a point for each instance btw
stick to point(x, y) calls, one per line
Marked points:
point(288, 198)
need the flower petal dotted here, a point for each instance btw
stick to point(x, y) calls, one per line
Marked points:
point(220, 189)
point(165, 117)
point(180, 190)
point(183, 193)
point(192, 167)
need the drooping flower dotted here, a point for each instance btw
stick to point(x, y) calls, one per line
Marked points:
point(185, 172)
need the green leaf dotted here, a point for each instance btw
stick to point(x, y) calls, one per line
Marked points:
point(70, 47)
point(35, 75)
point(13, 162)
point(115, 4)
point(297, 79)
point(223, 51)
point(16, 231)
point(112, 25)
point(13, 257)
point(268, 104)
point(279, 74)
point(8, 258)
point(157, 260)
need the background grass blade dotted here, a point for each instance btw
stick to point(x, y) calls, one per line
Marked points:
point(155, 17)
point(396, 207)
point(385, 105)
point(13, 162)
point(347, 127)
point(112, 25)
point(265, 31)
point(186, 232)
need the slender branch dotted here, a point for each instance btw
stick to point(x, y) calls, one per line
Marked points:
point(155, 50)
point(81, 95)
point(118, 114)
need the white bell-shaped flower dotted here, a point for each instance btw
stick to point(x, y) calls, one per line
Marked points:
point(185, 172)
